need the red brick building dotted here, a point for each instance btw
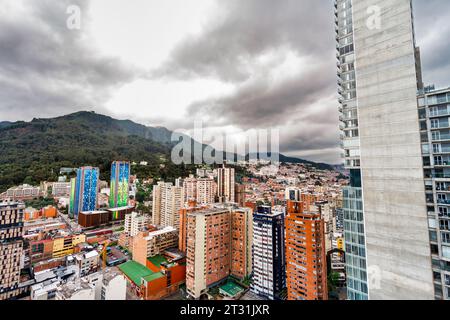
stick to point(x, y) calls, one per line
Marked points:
point(305, 254)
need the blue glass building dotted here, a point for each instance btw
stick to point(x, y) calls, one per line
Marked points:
point(85, 191)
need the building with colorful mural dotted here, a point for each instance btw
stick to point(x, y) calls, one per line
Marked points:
point(120, 177)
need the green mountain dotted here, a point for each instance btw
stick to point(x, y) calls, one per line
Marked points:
point(35, 151)
point(4, 124)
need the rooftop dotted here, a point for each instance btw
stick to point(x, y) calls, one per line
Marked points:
point(208, 212)
point(153, 234)
point(93, 212)
point(231, 289)
point(135, 271)
point(154, 276)
point(121, 208)
point(157, 260)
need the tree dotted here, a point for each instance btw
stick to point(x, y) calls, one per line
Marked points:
point(333, 282)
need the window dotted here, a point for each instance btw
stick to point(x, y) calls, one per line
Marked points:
point(435, 123)
point(434, 111)
point(437, 148)
point(446, 252)
point(436, 135)
point(444, 225)
point(443, 212)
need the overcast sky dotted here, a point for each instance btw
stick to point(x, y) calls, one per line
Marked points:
point(235, 64)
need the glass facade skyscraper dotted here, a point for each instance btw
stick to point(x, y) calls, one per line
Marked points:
point(356, 267)
point(85, 191)
point(120, 177)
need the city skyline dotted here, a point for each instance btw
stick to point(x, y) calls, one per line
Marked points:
point(266, 78)
point(95, 208)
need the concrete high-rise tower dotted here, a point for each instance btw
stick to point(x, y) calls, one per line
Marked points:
point(385, 219)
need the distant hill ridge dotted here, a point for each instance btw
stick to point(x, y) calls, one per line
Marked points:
point(34, 151)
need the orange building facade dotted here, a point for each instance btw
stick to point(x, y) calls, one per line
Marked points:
point(305, 254)
point(182, 237)
point(166, 280)
point(241, 242)
point(47, 212)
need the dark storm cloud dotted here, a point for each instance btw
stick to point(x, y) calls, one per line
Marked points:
point(262, 103)
point(243, 30)
point(47, 69)
point(229, 50)
point(432, 24)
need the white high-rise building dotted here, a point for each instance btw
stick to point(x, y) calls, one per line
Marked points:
point(167, 202)
point(190, 188)
point(135, 222)
point(201, 190)
point(292, 193)
point(206, 191)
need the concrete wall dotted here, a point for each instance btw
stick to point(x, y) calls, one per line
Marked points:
point(398, 252)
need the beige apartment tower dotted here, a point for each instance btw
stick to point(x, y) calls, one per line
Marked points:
point(167, 202)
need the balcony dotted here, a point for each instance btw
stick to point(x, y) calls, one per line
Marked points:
point(439, 113)
point(444, 188)
point(441, 175)
point(441, 137)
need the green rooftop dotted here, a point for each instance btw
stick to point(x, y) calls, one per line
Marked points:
point(135, 271)
point(153, 276)
point(157, 260)
point(231, 289)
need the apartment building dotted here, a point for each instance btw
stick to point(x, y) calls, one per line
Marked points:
point(134, 223)
point(201, 190)
point(219, 244)
point(208, 249)
point(226, 184)
point(22, 192)
point(269, 261)
point(191, 206)
point(61, 189)
point(434, 112)
point(11, 248)
point(87, 262)
point(148, 244)
point(241, 242)
point(167, 202)
point(306, 266)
